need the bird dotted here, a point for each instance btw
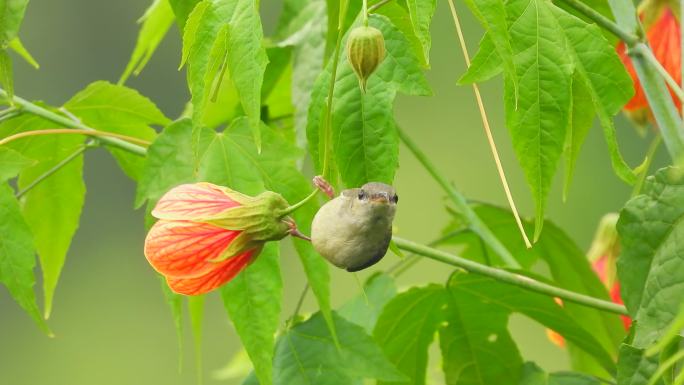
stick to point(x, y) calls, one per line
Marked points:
point(354, 229)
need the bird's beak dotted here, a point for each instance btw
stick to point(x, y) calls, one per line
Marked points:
point(382, 197)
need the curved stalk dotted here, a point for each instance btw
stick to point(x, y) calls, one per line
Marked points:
point(488, 131)
point(72, 131)
point(508, 277)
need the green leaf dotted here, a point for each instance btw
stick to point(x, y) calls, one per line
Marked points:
point(581, 120)
point(421, 12)
point(534, 375)
point(365, 140)
point(232, 28)
point(397, 11)
point(182, 8)
point(301, 28)
point(155, 23)
point(11, 15)
point(634, 367)
point(17, 258)
point(477, 349)
point(53, 207)
point(569, 268)
point(365, 308)
point(650, 268)
point(19, 48)
point(121, 110)
point(6, 77)
point(307, 354)
point(492, 16)
point(536, 306)
point(485, 64)
point(11, 163)
point(252, 299)
point(169, 162)
point(196, 309)
point(406, 328)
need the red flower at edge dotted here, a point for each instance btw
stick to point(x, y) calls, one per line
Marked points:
point(663, 34)
point(207, 234)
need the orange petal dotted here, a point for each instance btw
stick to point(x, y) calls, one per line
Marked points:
point(183, 249)
point(224, 272)
point(193, 201)
point(665, 40)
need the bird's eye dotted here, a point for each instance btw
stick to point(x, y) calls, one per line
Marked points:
point(362, 194)
point(395, 198)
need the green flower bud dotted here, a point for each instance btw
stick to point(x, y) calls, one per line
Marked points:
point(365, 52)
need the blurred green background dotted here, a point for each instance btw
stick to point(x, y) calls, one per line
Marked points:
point(111, 322)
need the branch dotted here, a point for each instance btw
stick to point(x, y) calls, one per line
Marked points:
point(474, 222)
point(34, 109)
point(508, 277)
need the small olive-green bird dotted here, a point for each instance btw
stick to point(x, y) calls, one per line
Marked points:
point(353, 230)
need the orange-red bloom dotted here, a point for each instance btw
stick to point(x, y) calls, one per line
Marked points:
point(663, 33)
point(207, 234)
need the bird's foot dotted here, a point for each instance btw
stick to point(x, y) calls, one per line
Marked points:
point(324, 186)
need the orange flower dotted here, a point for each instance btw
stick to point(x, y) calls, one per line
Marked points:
point(663, 34)
point(207, 234)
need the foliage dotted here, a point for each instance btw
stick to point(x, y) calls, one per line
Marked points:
point(267, 113)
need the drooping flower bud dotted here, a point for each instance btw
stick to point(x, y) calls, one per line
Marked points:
point(662, 26)
point(207, 234)
point(365, 52)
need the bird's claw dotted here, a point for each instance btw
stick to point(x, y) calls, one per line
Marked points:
point(324, 186)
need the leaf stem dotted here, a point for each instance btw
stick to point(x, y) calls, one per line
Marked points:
point(652, 148)
point(300, 302)
point(509, 277)
point(667, 364)
point(643, 50)
point(375, 7)
point(289, 210)
point(327, 134)
point(55, 168)
point(474, 222)
point(71, 131)
point(66, 122)
point(365, 13)
point(629, 38)
point(488, 131)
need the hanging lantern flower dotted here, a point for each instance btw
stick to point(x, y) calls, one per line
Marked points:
point(207, 234)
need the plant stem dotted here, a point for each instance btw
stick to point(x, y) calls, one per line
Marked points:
point(508, 277)
point(629, 38)
point(299, 204)
point(664, 366)
point(72, 131)
point(375, 7)
point(410, 260)
point(643, 50)
point(327, 135)
point(54, 169)
point(474, 222)
point(488, 131)
point(300, 302)
point(66, 122)
point(365, 13)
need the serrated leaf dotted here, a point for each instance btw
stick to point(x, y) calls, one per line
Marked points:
point(397, 11)
point(16, 46)
point(6, 77)
point(650, 268)
point(634, 367)
point(11, 163)
point(52, 208)
point(155, 23)
point(121, 110)
point(17, 258)
point(581, 120)
point(246, 56)
point(11, 15)
point(252, 299)
point(365, 308)
point(406, 328)
point(169, 162)
point(364, 137)
point(536, 306)
point(421, 12)
point(181, 9)
point(534, 375)
point(301, 27)
point(307, 354)
point(477, 349)
point(485, 64)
